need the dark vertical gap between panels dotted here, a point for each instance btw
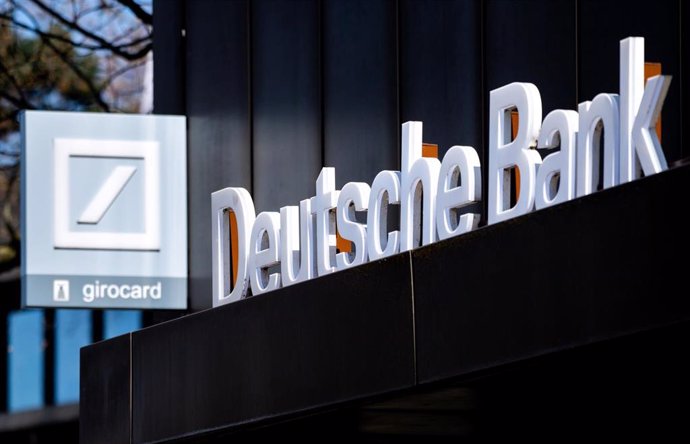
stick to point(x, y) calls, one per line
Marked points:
point(4, 348)
point(684, 18)
point(414, 319)
point(577, 54)
point(400, 53)
point(484, 100)
point(11, 292)
point(49, 357)
point(398, 95)
point(322, 140)
point(250, 96)
point(97, 332)
point(440, 76)
point(183, 93)
point(683, 102)
point(285, 109)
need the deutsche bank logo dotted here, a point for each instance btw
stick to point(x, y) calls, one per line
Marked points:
point(87, 223)
point(104, 201)
point(61, 290)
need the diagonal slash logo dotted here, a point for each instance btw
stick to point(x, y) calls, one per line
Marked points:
point(65, 235)
point(106, 195)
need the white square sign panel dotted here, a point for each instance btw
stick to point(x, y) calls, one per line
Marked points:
point(104, 199)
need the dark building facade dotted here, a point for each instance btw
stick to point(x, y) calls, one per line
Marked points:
point(275, 90)
point(467, 338)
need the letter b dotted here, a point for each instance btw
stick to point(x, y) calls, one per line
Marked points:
point(505, 154)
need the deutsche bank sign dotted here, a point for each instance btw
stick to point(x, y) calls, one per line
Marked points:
point(104, 211)
point(436, 196)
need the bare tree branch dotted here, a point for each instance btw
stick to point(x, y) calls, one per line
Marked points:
point(6, 153)
point(17, 24)
point(87, 11)
point(136, 42)
point(138, 11)
point(123, 70)
point(47, 42)
point(103, 42)
point(7, 212)
point(18, 102)
point(83, 45)
point(23, 102)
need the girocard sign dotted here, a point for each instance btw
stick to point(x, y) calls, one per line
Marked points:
point(104, 210)
point(432, 194)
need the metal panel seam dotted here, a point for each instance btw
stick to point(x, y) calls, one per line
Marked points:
point(414, 321)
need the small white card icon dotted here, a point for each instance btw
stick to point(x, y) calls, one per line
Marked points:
point(61, 291)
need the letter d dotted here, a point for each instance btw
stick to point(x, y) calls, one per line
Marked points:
point(156, 291)
point(239, 201)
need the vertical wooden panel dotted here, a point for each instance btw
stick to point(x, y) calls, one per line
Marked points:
point(360, 88)
point(602, 24)
point(440, 70)
point(218, 120)
point(286, 108)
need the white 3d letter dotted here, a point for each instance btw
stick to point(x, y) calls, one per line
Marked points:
point(560, 126)
point(353, 197)
point(415, 171)
point(631, 87)
point(595, 116)
point(322, 204)
point(460, 165)
point(644, 135)
point(263, 252)
point(640, 107)
point(240, 202)
point(504, 154)
point(289, 235)
point(388, 183)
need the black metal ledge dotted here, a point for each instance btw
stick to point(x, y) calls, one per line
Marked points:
point(580, 273)
point(590, 269)
point(45, 417)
